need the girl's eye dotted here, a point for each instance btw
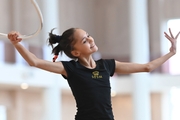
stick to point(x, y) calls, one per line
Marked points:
point(84, 41)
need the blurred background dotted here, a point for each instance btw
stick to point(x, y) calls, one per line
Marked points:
point(125, 30)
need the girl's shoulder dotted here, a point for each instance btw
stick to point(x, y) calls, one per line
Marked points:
point(106, 61)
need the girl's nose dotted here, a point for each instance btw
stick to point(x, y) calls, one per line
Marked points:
point(90, 39)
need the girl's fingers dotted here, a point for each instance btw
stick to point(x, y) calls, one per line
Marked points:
point(177, 35)
point(171, 33)
point(167, 36)
point(13, 36)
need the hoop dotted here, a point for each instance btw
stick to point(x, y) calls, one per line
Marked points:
point(40, 27)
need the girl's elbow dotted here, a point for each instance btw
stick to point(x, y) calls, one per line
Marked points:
point(32, 64)
point(148, 68)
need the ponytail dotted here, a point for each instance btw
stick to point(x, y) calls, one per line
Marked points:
point(55, 39)
point(63, 43)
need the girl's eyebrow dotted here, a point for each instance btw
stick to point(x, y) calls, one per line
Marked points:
point(85, 36)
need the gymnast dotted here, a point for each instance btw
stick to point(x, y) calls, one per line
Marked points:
point(87, 78)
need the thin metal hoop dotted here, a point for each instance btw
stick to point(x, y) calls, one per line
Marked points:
point(40, 27)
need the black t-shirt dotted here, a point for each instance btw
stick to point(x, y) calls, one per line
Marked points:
point(91, 89)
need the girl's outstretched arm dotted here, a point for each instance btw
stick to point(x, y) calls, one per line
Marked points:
point(32, 60)
point(126, 68)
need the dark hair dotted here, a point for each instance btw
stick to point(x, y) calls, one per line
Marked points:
point(64, 43)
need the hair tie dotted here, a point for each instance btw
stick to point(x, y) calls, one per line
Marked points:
point(58, 37)
point(55, 57)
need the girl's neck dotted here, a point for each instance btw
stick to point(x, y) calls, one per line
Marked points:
point(87, 62)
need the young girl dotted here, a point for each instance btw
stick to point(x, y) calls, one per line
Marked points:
point(87, 78)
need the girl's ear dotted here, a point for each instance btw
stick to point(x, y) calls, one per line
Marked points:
point(75, 53)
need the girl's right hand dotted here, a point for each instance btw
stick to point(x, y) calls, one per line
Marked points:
point(14, 37)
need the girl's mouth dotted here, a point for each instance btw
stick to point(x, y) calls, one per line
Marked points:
point(92, 46)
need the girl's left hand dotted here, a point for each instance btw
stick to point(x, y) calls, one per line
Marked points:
point(173, 41)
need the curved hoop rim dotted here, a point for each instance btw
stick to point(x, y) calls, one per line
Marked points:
point(40, 27)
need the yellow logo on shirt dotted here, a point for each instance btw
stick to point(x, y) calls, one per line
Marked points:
point(96, 75)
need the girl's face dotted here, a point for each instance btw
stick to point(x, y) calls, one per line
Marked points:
point(84, 45)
